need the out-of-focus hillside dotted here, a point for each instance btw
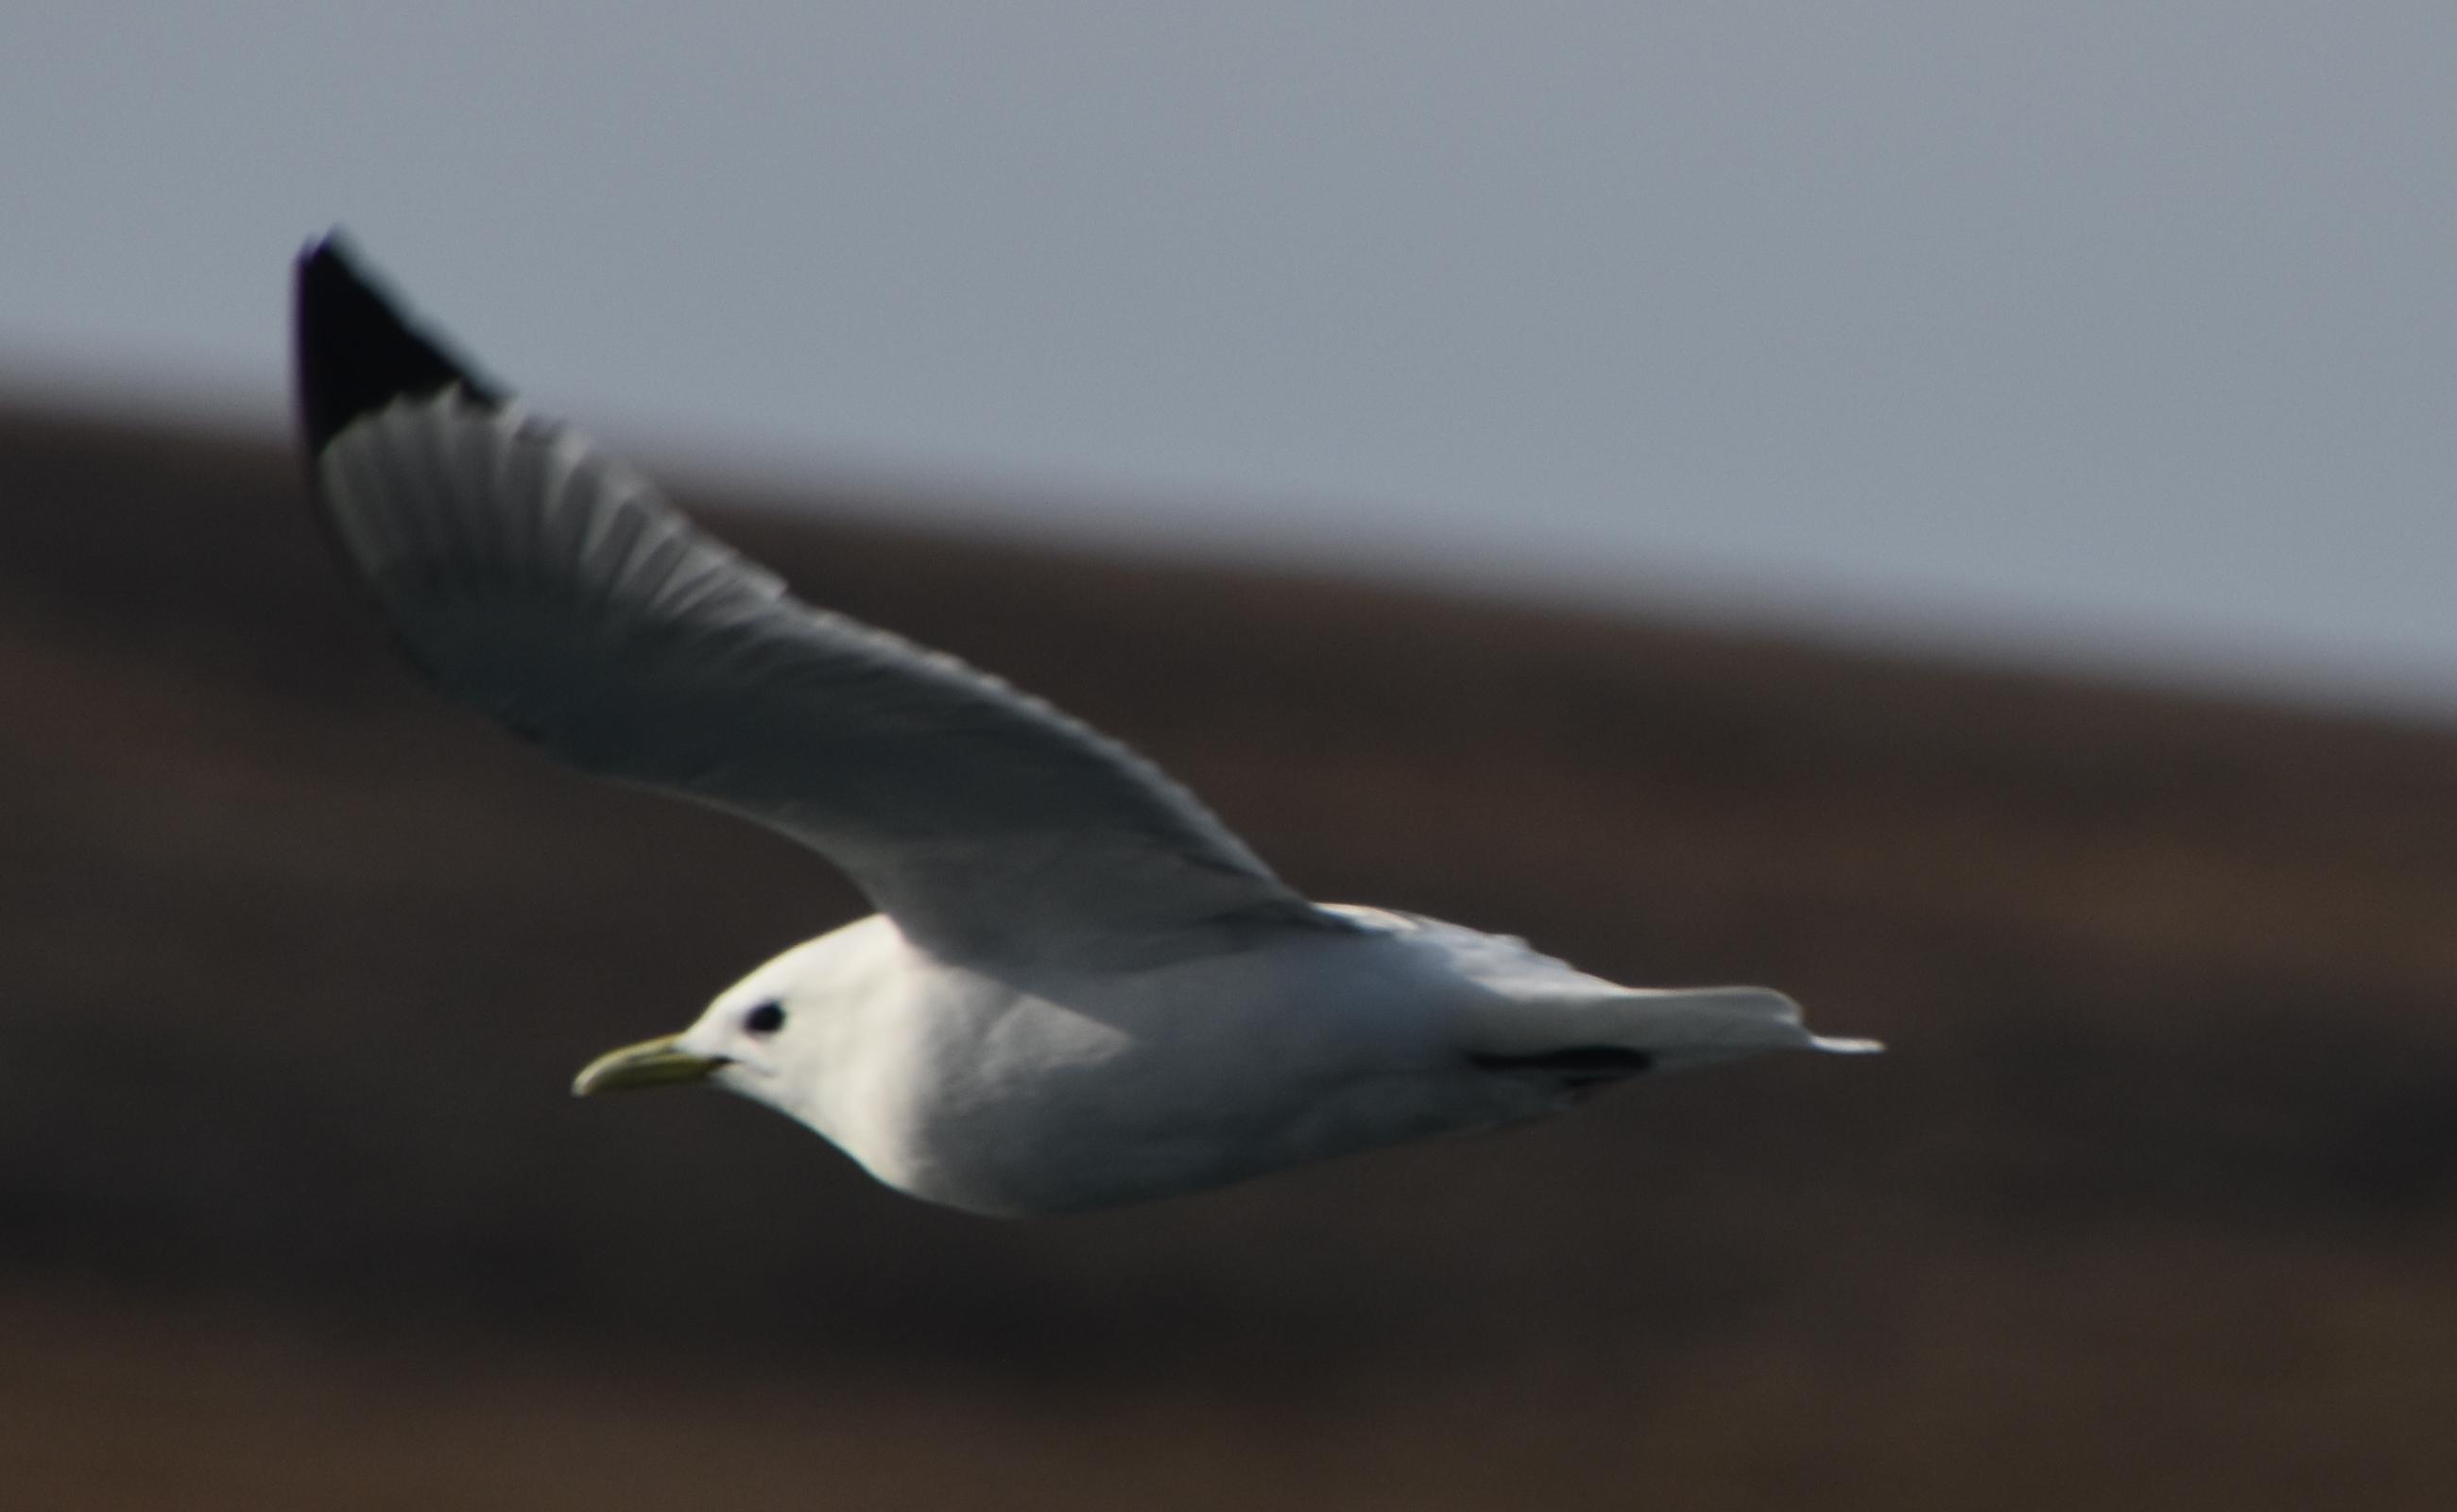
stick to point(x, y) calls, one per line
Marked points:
point(2150, 1205)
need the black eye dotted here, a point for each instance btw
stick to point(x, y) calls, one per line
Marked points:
point(766, 1019)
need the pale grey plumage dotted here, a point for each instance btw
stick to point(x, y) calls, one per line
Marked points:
point(552, 586)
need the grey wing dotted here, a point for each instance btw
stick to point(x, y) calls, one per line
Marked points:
point(548, 585)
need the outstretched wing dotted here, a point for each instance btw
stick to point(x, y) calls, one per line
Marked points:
point(548, 585)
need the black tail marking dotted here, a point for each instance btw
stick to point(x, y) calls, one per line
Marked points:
point(1580, 1061)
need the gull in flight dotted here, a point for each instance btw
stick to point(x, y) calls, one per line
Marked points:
point(1079, 989)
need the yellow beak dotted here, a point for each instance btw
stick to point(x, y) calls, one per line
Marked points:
point(651, 1063)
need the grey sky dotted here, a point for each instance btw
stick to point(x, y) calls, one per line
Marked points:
point(2109, 329)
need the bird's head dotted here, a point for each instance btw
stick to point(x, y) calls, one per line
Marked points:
point(754, 1039)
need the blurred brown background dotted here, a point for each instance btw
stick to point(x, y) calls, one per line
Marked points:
point(2148, 1207)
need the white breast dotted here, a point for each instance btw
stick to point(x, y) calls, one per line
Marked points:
point(1009, 1098)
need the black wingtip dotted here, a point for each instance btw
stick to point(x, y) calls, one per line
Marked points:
point(356, 351)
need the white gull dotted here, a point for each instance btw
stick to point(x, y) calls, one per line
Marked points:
point(1080, 988)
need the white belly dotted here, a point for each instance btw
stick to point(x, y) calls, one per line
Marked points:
point(1000, 1100)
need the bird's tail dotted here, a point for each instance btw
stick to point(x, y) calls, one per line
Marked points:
point(1659, 1028)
